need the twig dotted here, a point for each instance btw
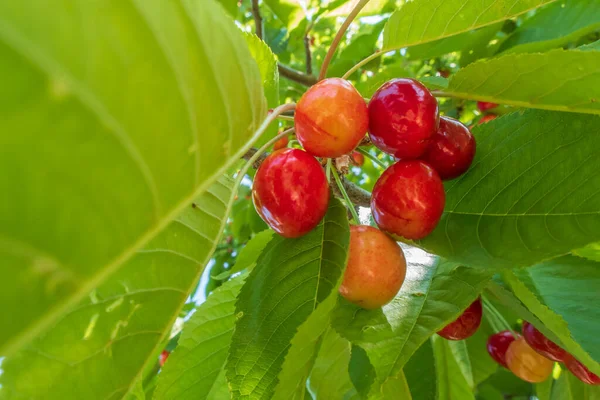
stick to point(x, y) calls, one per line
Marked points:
point(309, 70)
point(296, 76)
point(252, 151)
point(258, 22)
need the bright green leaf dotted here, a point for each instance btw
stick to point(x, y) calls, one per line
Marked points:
point(373, 7)
point(395, 387)
point(451, 382)
point(482, 365)
point(111, 124)
point(292, 278)
point(568, 387)
point(246, 260)
point(543, 390)
point(591, 251)
point(290, 12)
point(231, 6)
point(422, 21)
point(460, 351)
point(530, 195)
point(100, 348)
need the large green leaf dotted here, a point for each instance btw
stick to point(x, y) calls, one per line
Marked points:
point(561, 80)
point(530, 195)
point(111, 124)
point(293, 277)
point(193, 369)
point(554, 26)
point(568, 387)
point(482, 365)
point(422, 365)
point(433, 295)
point(451, 383)
point(422, 21)
point(100, 348)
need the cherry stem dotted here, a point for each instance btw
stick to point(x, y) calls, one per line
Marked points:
point(363, 62)
point(371, 157)
point(497, 316)
point(328, 170)
point(286, 117)
point(344, 194)
point(338, 37)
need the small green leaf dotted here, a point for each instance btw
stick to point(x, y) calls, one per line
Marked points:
point(292, 278)
point(451, 382)
point(530, 194)
point(422, 21)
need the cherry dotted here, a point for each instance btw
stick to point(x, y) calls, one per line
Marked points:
point(358, 158)
point(331, 118)
point(581, 371)
point(484, 105)
point(281, 143)
point(444, 73)
point(452, 149)
point(162, 359)
point(526, 363)
point(465, 325)
point(290, 192)
point(403, 116)
point(408, 199)
point(542, 344)
point(487, 118)
point(497, 345)
point(376, 268)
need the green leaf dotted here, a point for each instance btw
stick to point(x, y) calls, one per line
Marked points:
point(434, 294)
point(422, 21)
point(122, 326)
point(111, 125)
point(570, 310)
point(192, 371)
point(249, 254)
point(361, 371)
point(292, 278)
point(460, 351)
point(482, 365)
point(554, 26)
point(568, 387)
point(373, 7)
point(290, 12)
point(422, 365)
point(451, 382)
point(231, 6)
point(530, 194)
point(595, 46)
point(332, 362)
point(395, 387)
point(543, 390)
point(591, 251)
point(560, 80)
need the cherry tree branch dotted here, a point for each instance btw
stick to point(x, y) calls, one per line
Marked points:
point(258, 22)
point(308, 53)
point(296, 76)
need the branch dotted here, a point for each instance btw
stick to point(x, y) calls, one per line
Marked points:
point(258, 22)
point(309, 70)
point(296, 76)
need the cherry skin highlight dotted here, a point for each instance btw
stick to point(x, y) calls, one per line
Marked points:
point(487, 118)
point(376, 268)
point(465, 325)
point(542, 344)
point(281, 143)
point(358, 158)
point(581, 371)
point(526, 363)
point(484, 105)
point(162, 359)
point(452, 149)
point(403, 116)
point(408, 199)
point(290, 192)
point(331, 118)
point(497, 345)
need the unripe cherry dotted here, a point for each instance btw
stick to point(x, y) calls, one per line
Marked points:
point(465, 325)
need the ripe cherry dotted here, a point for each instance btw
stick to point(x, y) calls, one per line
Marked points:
point(331, 118)
point(497, 345)
point(484, 105)
point(376, 268)
point(358, 158)
point(526, 363)
point(403, 116)
point(487, 118)
point(465, 325)
point(581, 371)
point(408, 199)
point(452, 149)
point(542, 344)
point(290, 192)
point(281, 143)
point(162, 359)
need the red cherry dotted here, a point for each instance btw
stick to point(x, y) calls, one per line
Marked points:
point(358, 158)
point(444, 73)
point(452, 149)
point(497, 345)
point(526, 363)
point(465, 325)
point(331, 118)
point(290, 192)
point(487, 118)
point(542, 344)
point(483, 105)
point(163, 358)
point(376, 268)
point(403, 116)
point(581, 371)
point(281, 143)
point(408, 199)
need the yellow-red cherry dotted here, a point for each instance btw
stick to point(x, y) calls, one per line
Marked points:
point(465, 325)
point(358, 158)
point(331, 118)
point(497, 345)
point(376, 268)
point(281, 143)
point(526, 363)
point(408, 199)
point(403, 116)
point(290, 192)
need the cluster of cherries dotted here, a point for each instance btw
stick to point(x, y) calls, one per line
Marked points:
point(531, 356)
point(291, 192)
